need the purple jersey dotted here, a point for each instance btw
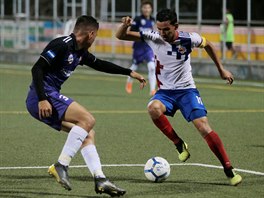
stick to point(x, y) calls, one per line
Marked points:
point(139, 24)
point(63, 58)
point(60, 58)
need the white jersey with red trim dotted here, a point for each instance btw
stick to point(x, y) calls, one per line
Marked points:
point(173, 68)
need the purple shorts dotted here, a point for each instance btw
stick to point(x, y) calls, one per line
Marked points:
point(140, 56)
point(59, 104)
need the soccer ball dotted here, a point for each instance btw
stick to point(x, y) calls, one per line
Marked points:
point(157, 169)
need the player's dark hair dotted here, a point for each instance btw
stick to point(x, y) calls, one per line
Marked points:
point(167, 15)
point(146, 3)
point(86, 21)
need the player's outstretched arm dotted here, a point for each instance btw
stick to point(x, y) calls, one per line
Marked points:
point(111, 68)
point(123, 32)
point(225, 74)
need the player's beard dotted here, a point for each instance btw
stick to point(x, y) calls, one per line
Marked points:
point(169, 38)
point(87, 45)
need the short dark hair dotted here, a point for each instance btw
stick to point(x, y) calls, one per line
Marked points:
point(86, 21)
point(146, 3)
point(167, 15)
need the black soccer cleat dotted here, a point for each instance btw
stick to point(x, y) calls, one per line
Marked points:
point(103, 185)
point(60, 173)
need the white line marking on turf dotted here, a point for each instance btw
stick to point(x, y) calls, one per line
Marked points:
point(138, 165)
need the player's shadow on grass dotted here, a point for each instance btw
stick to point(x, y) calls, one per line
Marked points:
point(22, 177)
point(145, 181)
point(257, 146)
point(166, 188)
point(17, 194)
point(16, 191)
point(188, 182)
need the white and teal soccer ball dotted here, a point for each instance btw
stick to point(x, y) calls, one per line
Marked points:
point(157, 169)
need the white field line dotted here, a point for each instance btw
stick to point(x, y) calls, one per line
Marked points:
point(138, 165)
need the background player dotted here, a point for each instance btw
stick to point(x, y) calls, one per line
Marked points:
point(227, 32)
point(177, 91)
point(141, 51)
point(45, 103)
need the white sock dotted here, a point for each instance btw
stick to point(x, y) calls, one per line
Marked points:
point(73, 143)
point(133, 68)
point(152, 75)
point(92, 160)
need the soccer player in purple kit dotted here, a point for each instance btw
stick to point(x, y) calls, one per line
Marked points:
point(177, 90)
point(141, 51)
point(45, 103)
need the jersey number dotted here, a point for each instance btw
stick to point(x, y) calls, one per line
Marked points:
point(199, 100)
point(63, 97)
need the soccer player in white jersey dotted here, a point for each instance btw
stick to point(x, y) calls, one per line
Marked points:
point(177, 90)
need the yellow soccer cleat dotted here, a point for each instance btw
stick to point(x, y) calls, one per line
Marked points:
point(60, 173)
point(182, 149)
point(234, 178)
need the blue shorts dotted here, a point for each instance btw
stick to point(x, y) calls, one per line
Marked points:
point(188, 101)
point(59, 104)
point(139, 56)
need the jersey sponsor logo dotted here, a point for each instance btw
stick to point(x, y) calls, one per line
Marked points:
point(143, 22)
point(182, 49)
point(66, 72)
point(50, 54)
point(70, 59)
point(67, 39)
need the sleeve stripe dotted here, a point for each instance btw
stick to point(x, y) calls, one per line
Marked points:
point(203, 43)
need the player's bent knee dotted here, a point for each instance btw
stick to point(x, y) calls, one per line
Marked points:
point(155, 109)
point(87, 122)
point(202, 126)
